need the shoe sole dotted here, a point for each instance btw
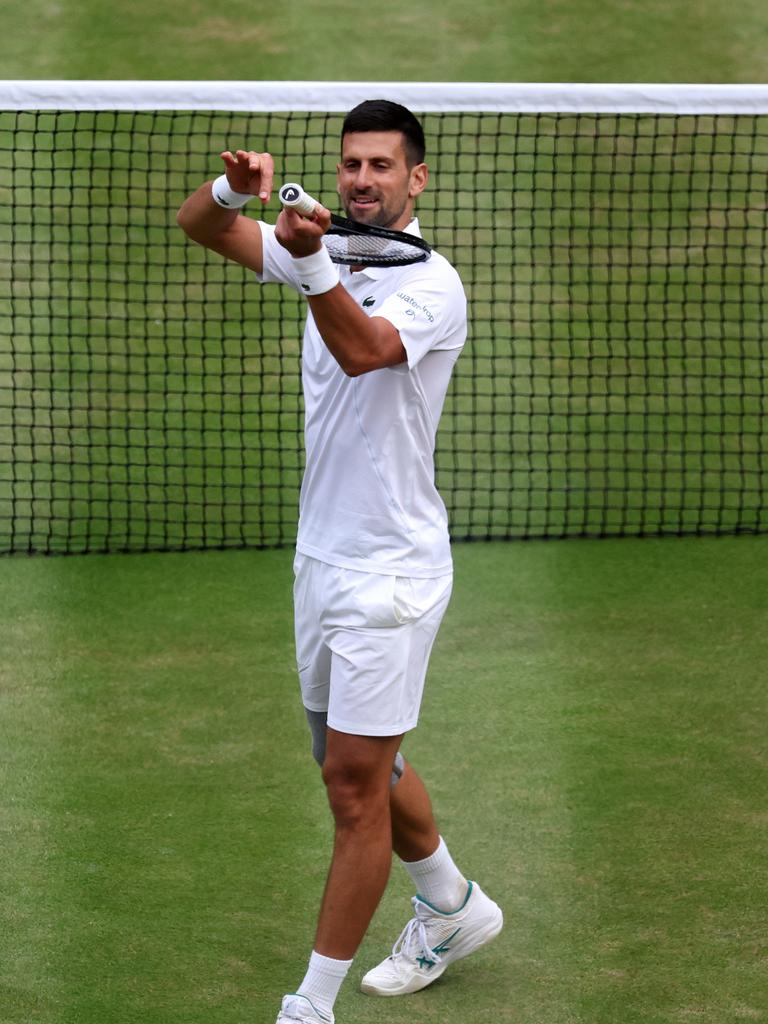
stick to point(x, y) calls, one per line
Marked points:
point(417, 983)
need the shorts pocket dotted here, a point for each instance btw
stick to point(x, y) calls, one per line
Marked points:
point(362, 600)
point(414, 598)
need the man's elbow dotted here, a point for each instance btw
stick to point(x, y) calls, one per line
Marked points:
point(358, 352)
point(354, 367)
point(197, 232)
point(194, 223)
point(186, 222)
point(357, 365)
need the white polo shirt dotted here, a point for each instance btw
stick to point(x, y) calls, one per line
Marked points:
point(368, 497)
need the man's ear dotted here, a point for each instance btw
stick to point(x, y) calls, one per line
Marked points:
point(418, 180)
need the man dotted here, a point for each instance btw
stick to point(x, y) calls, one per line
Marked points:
point(373, 565)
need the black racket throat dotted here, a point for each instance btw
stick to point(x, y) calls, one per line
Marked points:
point(350, 243)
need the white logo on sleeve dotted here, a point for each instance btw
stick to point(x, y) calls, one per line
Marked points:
point(416, 307)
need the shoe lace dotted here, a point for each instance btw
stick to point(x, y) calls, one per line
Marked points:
point(413, 938)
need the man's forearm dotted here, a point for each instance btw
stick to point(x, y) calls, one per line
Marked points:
point(357, 342)
point(224, 231)
point(202, 219)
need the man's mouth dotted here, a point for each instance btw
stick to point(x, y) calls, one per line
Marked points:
point(364, 201)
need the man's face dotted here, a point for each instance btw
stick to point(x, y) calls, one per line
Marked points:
point(374, 181)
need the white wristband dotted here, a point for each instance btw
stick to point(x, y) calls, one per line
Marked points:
point(225, 196)
point(317, 272)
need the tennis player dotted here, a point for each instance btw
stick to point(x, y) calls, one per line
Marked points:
point(373, 570)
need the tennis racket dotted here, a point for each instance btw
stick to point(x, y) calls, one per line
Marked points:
point(354, 244)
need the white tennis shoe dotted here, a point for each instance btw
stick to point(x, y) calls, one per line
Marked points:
point(431, 941)
point(298, 1009)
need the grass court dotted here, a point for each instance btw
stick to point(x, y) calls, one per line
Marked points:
point(593, 735)
point(594, 730)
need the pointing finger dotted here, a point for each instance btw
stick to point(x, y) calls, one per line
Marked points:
point(267, 168)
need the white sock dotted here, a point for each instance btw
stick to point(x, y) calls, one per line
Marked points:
point(438, 880)
point(322, 981)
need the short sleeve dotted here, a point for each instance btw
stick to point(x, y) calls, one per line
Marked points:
point(429, 310)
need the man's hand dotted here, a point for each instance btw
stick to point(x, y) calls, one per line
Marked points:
point(224, 230)
point(250, 172)
point(301, 235)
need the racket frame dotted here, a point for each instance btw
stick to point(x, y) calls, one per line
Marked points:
point(344, 227)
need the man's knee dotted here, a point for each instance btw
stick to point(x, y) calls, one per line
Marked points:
point(357, 774)
point(318, 727)
point(355, 797)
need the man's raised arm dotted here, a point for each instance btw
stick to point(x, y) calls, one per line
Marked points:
point(357, 342)
point(210, 216)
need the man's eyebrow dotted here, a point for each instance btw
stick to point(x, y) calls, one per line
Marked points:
point(370, 159)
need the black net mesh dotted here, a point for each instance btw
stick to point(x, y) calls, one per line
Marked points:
point(614, 382)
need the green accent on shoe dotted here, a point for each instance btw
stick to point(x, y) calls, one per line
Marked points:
point(319, 1013)
point(444, 947)
point(447, 913)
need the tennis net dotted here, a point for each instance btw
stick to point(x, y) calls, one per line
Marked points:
point(612, 241)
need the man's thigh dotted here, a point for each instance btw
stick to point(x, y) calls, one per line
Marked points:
point(363, 644)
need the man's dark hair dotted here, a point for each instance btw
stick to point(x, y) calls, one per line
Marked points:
point(385, 116)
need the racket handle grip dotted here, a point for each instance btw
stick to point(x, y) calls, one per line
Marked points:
point(296, 198)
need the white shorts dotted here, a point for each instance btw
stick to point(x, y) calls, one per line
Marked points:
point(363, 642)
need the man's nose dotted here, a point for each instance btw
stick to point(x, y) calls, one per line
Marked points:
point(363, 178)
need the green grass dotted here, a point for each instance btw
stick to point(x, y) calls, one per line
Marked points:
point(594, 732)
point(525, 40)
point(594, 737)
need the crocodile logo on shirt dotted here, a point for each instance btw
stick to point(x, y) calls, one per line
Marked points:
point(369, 301)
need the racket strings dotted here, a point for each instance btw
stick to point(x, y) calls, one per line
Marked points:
point(371, 250)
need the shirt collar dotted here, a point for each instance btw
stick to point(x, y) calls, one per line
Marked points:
point(376, 273)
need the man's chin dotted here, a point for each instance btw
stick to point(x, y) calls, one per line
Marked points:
point(373, 220)
point(362, 216)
